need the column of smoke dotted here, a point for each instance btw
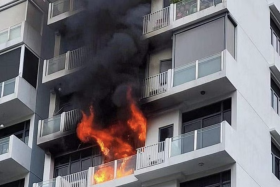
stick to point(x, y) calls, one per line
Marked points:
point(113, 30)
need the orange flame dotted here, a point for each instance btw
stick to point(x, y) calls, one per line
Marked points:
point(103, 174)
point(115, 141)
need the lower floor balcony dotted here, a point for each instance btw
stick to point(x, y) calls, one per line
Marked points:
point(189, 153)
point(15, 158)
point(53, 132)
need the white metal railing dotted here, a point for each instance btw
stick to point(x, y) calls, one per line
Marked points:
point(151, 155)
point(7, 87)
point(4, 145)
point(68, 61)
point(74, 180)
point(163, 82)
point(11, 33)
point(62, 6)
point(165, 17)
point(94, 175)
point(195, 140)
point(198, 139)
point(156, 20)
point(67, 121)
point(157, 84)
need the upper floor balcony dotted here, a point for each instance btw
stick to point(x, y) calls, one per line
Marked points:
point(53, 131)
point(62, 65)
point(201, 77)
point(62, 9)
point(187, 154)
point(180, 14)
point(15, 158)
point(19, 34)
point(17, 99)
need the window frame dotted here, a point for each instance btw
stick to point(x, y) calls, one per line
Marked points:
point(164, 127)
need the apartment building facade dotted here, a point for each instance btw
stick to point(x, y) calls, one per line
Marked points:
point(211, 96)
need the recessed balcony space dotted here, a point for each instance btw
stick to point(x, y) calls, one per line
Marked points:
point(180, 14)
point(59, 67)
point(62, 9)
point(15, 158)
point(55, 131)
point(188, 153)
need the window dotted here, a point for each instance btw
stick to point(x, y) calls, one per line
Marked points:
point(165, 65)
point(165, 132)
point(30, 68)
point(275, 33)
point(166, 3)
point(275, 93)
point(231, 40)
point(275, 160)
point(20, 130)
point(77, 161)
point(218, 180)
point(19, 183)
point(207, 116)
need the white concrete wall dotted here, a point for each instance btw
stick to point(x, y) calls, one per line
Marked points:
point(155, 58)
point(13, 16)
point(162, 120)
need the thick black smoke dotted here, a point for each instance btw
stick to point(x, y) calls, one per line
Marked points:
point(113, 30)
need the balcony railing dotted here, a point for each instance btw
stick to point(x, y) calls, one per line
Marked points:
point(4, 145)
point(10, 33)
point(165, 17)
point(68, 61)
point(67, 121)
point(163, 82)
point(63, 6)
point(94, 175)
point(198, 139)
point(7, 87)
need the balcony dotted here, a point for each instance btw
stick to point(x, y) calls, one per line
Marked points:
point(20, 33)
point(62, 9)
point(15, 157)
point(63, 65)
point(17, 100)
point(172, 87)
point(179, 14)
point(54, 130)
point(186, 154)
point(116, 173)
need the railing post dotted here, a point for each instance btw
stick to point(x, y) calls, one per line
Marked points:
point(45, 68)
point(2, 91)
point(198, 5)
point(196, 69)
point(137, 159)
point(221, 131)
point(195, 140)
point(90, 176)
point(222, 59)
point(115, 168)
point(169, 79)
point(167, 148)
point(171, 13)
point(58, 181)
point(62, 122)
point(67, 60)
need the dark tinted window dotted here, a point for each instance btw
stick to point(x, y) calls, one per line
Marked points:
point(19, 183)
point(20, 130)
point(77, 161)
point(30, 68)
point(220, 179)
point(165, 132)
